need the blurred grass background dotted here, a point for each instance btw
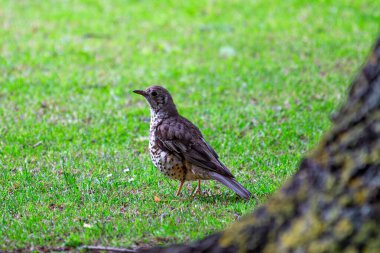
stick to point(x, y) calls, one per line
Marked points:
point(260, 79)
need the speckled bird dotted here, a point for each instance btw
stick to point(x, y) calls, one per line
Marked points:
point(177, 146)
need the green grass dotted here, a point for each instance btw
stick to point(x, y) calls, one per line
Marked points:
point(260, 79)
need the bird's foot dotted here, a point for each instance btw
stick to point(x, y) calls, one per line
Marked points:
point(197, 192)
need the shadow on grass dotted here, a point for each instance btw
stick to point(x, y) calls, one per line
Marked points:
point(223, 198)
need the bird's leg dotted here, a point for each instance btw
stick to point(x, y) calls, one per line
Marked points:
point(198, 190)
point(180, 188)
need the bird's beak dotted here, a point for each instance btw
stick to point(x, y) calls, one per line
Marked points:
point(141, 92)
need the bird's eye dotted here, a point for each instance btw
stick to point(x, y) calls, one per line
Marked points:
point(154, 93)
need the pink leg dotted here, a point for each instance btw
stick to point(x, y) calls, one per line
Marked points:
point(180, 188)
point(198, 190)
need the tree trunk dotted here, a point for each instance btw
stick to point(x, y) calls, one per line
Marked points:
point(332, 203)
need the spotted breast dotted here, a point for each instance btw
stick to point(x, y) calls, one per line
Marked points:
point(168, 163)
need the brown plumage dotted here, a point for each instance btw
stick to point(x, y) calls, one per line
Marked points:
point(178, 148)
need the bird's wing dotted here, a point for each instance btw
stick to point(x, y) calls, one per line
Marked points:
point(180, 136)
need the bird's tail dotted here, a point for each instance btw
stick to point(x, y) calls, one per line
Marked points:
point(232, 184)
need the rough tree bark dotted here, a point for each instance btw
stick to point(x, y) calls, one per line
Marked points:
point(332, 203)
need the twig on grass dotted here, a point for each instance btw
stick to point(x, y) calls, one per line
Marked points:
point(106, 249)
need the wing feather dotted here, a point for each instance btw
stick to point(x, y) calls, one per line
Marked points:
point(180, 136)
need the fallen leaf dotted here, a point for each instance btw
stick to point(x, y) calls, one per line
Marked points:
point(156, 199)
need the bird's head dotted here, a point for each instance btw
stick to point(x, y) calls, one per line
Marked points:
point(159, 100)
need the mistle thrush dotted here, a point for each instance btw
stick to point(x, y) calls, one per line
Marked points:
point(177, 147)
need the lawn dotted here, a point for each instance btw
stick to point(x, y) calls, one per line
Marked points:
point(259, 78)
